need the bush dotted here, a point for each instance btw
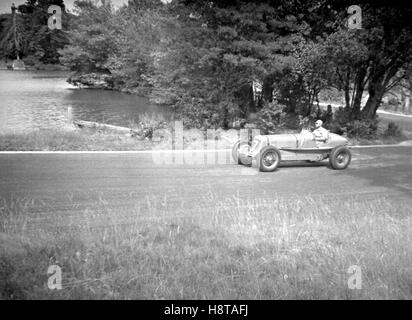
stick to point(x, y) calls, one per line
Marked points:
point(204, 113)
point(305, 123)
point(292, 121)
point(344, 124)
point(366, 128)
point(32, 61)
point(393, 101)
point(197, 113)
point(93, 80)
point(271, 118)
point(393, 130)
point(152, 120)
point(148, 124)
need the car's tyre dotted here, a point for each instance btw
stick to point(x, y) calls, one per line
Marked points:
point(235, 153)
point(340, 158)
point(269, 159)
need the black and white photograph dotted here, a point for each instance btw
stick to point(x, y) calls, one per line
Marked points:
point(193, 150)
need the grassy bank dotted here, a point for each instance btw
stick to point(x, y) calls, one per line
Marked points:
point(70, 140)
point(231, 249)
point(380, 140)
point(92, 140)
point(97, 140)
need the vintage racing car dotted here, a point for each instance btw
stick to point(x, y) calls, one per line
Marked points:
point(269, 150)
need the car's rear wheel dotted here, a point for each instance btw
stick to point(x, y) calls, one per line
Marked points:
point(237, 154)
point(269, 159)
point(340, 158)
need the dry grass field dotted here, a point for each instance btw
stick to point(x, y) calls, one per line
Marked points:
point(232, 249)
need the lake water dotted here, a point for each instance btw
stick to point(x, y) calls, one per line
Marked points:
point(40, 99)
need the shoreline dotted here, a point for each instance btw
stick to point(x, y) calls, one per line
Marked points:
point(96, 81)
point(99, 81)
point(7, 65)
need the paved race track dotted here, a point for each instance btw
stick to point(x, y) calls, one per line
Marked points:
point(68, 184)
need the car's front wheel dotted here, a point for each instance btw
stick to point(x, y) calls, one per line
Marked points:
point(238, 151)
point(340, 158)
point(269, 159)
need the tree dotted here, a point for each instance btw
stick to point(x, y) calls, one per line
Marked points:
point(12, 41)
point(201, 57)
point(93, 38)
point(369, 59)
point(218, 50)
point(343, 56)
point(389, 47)
point(34, 38)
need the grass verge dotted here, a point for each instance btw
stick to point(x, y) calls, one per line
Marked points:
point(92, 140)
point(229, 249)
point(70, 140)
point(380, 140)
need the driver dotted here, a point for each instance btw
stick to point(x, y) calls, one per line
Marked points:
point(320, 134)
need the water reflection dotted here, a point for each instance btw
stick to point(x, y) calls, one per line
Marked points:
point(38, 99)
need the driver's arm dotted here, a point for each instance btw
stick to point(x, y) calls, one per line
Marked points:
point(319, 135)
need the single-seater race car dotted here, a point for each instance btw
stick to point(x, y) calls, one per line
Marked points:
point(270, 150)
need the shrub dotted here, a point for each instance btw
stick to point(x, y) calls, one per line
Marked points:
point(393, 101)
point(32, 61)
point(204, 113)
point(148, 123)
point(271, 118)
point(344, 124)
point(292, 121)
point(365, 128)
point(152, 120)
point(93, 80)
point(393, 130)
point(197, 113)
point(305, 123)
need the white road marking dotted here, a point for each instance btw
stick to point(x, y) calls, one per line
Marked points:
point(380, 146)
point(335, 105)
point(395, 114)
point(116, 152)
point(179, 151)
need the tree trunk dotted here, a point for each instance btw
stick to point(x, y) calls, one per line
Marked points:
point(309, 102)
point(290, 104)
point(359, 88)
point(376, 91)
point(347, 92)
point(347, 98)
point(225, 121)
point(244, 98)
point(405, 100)
point(267, 89)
